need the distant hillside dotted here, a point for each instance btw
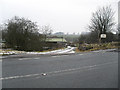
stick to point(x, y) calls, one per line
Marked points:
point(59, 33)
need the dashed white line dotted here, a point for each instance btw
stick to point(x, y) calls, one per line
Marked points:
point(60, 56)
point(2, 57)
point(27, 59)
point(24, 58)
point(36, 58)
point(80, 54)
point(59, 71)
point(55, 56)
point(22, 76)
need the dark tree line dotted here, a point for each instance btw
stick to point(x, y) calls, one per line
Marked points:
point(22, 34)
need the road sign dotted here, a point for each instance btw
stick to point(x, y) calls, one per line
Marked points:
point(103, 35)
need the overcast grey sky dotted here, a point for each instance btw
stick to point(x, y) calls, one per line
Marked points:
point(62, 15)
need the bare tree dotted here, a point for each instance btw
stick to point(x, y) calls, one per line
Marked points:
point(102, 21)
point(46, 30)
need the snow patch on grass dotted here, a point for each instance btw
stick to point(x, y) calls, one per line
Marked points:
point(60, 51)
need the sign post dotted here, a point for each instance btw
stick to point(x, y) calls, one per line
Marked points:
point(103, 37)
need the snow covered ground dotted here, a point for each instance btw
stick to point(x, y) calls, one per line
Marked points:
point(60, 51)
point(12, 52)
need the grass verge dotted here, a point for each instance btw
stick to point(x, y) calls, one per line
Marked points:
point(94, 47)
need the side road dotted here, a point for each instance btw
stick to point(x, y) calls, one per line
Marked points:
point(53, 54)
point(13, 52)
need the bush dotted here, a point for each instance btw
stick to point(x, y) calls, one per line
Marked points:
point(83, 48)
point(22, 34)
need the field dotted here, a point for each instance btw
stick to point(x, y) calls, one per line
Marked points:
point(69, 37)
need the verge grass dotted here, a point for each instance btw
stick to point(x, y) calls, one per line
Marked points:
point(103, 46)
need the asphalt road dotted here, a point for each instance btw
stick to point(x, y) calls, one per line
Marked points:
point(84, 70)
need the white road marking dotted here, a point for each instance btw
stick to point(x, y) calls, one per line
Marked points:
point(24, 58)
point(60, 56)
point(73, 69)
point(27, 58)
point(80, 54)
point(55, 56)
point(2, 57)
point(22, 76)
point(59, 71)
point(36, 58)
